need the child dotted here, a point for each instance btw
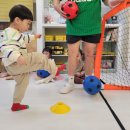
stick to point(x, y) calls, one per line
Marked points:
point(17, 61)
point(4, 74)
point(48, 52)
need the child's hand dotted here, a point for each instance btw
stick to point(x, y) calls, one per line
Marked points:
point(21, 60)
point(38, 36)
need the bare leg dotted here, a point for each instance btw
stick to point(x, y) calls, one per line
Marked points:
point(73, 50)
point(89, 51)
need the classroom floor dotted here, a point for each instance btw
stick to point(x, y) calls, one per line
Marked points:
point(87, 112)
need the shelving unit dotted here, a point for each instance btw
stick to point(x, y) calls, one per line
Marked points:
point(54, 29)
point(109, 50)
point(59, 47)
point(112, 25)
point(54, 25)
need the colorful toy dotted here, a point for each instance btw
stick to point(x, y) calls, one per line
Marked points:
point(61, 68)
point(92, 85)
point(43, 73)
point(70, 8)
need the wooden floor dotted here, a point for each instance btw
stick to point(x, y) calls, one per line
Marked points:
point(87, 112)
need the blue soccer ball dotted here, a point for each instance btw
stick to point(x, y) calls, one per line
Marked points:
point(92, 85)
point(43, 73)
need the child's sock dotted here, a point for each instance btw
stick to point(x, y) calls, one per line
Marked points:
point(71, 80)
point(69, 86)
point(86, 75)
point(18, 107)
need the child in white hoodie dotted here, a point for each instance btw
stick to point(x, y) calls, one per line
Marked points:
point(17, 61)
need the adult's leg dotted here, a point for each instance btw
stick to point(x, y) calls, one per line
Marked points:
point(73, 50)
point(89, 52)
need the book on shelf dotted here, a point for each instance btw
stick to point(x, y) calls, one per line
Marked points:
point(108, 36)
point(114, 35)
point(109, 53)
point(111, 35)
point(107, 64)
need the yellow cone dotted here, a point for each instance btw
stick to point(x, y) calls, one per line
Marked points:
point(60, 108)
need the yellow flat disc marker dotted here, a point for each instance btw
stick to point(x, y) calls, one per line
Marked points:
point(60, 108)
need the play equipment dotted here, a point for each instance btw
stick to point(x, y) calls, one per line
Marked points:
point(92, 85)
point(70, 8)
point(43, 73)
point(109, 87)
point(60, 108)
point(117, 75)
